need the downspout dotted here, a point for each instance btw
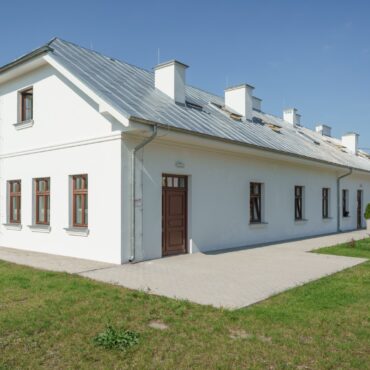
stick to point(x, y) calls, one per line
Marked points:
point(338, 197)
point(133, 189)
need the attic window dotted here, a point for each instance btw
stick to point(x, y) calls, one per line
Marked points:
point(275, 128)
point(338, 146)
point(26, 105)
point(235, 117)
point(258, 120)
point(309, 138)
point(364, 155)
point(232, 115)
point(219, 106)
point(194, 105)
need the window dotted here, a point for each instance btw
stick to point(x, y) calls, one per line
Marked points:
point(14, 201)
point(79, 201)
point(42, 201)
point(172, 181)
point(298, 203)
point(325, 203)
point(26, 108)
point(255, 202)
point(345, 211)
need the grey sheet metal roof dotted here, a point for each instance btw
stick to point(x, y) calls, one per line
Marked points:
point(131, 90)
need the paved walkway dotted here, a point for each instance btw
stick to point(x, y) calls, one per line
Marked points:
point(230, 279)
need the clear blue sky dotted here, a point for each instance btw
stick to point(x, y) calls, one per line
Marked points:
point(313, 55)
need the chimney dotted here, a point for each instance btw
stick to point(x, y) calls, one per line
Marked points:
point(291, 115)
point(350, 141)
point(170, 79)
point(323, 130)
point(240, 99)
point(257, 102)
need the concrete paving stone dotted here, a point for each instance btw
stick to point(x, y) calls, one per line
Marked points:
point(230, 279)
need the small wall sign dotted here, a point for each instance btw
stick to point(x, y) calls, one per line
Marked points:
point(179, 164)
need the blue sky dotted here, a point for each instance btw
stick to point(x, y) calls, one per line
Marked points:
point(313, 55)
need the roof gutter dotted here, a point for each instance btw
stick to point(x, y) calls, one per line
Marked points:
point(338, 196)
point(133, 189)
point(25, 58)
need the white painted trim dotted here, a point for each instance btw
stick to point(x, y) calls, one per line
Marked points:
point(300, 222)
point(40, 228)
point(24, 124)
point(104, 107)
point(64, 146)
point(327, 219)
point(77, 231)
point(16, 227)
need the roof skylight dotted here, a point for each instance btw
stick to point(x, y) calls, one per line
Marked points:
point(312, 140)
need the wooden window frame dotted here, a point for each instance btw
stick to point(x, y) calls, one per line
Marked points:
point(174, 181)
point(23, 96)
point(325, 202)
point(18, 196)
point(84, 194)
point(345, 195)
point(298, 202)
point(255, 203)
point(46, 195)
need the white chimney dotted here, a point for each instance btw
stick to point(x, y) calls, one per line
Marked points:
point(257, 102)
point(240, 99)
point(323, 130)
point(291, 115)
point(170, 79)
point(350, 141)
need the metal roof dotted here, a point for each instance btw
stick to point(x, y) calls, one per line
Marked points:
point(131, 90)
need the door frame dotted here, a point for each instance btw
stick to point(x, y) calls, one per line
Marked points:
point(359, 202)
point(186, 191)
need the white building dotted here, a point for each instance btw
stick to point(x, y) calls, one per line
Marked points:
point(210, 172)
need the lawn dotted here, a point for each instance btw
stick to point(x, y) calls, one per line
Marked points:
point(49, 320)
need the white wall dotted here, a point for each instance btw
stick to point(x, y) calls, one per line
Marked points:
point(352, 184)
point(219, 198)
point(61, 113)
point(101, 162)
point(68, 137)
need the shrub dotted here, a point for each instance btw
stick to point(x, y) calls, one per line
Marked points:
point(367, 212)
point(111, 338)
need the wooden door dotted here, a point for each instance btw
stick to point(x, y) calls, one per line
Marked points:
point(359, 209)
point(174, 215)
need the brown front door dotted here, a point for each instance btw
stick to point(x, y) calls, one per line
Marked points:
point(359, 209)
point(174, 214)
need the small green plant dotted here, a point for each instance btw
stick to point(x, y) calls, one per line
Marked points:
point(112, 338)
point(367, 212)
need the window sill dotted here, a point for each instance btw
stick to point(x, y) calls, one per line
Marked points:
point(327, 219)
point(40, 228)
point(16, 227)
point(299, 222)
point(257, 225)
point(24, 124)
point(77, 231)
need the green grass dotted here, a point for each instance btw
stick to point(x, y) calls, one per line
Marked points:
point(360, 248)
point(50, 320)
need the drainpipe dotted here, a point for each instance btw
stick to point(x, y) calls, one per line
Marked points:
point(338, 197)
point(133, 188)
